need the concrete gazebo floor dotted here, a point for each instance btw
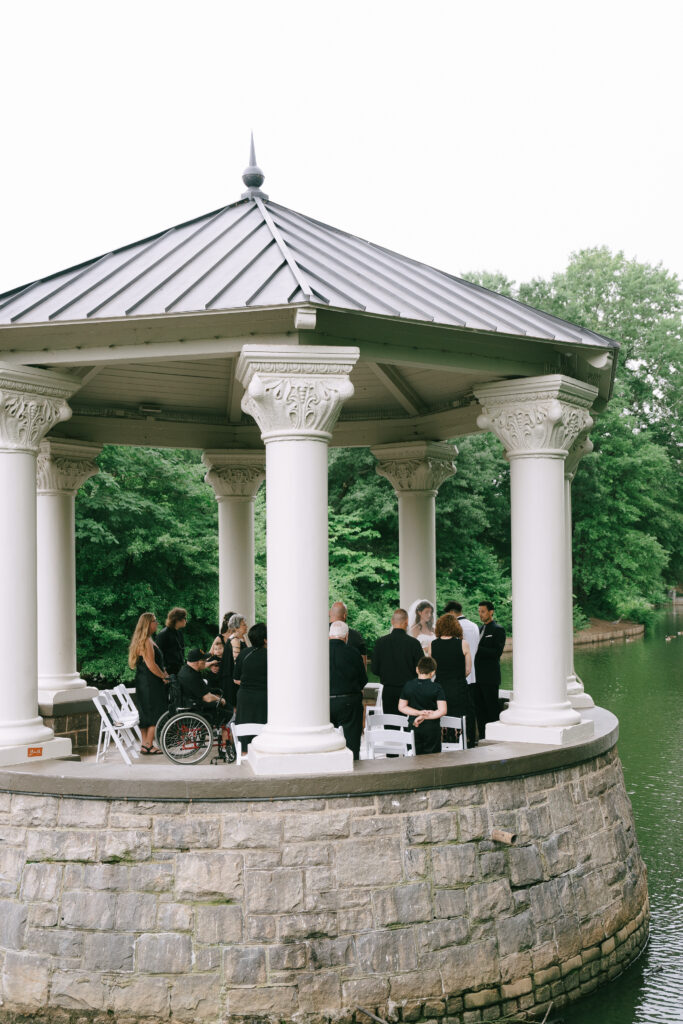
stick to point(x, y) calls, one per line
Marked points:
point(158, 779)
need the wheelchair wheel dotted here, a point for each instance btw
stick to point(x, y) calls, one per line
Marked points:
point(158, 729)
point(187, 738)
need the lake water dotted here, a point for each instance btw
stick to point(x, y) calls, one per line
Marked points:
point(642, 683)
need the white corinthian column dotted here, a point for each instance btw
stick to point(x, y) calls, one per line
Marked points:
point(295, 395)
point(416, 470)
point(538, 420)
point(235, 477)
point(575, 691)
point(31, 403)
point(62, 467)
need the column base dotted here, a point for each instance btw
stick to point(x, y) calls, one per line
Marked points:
point(48, 750)
point(576, 695)
point(553, 735)
point(52, 695)
point(329, 762)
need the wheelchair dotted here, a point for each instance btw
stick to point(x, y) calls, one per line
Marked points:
point(188, 735)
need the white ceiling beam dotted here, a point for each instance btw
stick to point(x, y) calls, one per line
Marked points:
point(235, 392)
point(145, 352)
point(399, 388)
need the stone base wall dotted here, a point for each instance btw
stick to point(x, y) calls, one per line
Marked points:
point(308, 909)
point(82, 727)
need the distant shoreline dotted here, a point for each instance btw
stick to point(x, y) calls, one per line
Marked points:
point(599, 631)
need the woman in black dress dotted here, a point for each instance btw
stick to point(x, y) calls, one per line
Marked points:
point(251, 678)
point(151, 678)
point(453, 664)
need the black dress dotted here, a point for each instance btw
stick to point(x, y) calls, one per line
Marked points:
point(252, 693)
point(150, 690)
point(251, 669)
point(450, 674)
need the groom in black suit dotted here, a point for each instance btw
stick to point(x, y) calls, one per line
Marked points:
point(487, 667)
point(395, 659)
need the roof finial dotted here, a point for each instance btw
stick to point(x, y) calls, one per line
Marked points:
point(253, 177)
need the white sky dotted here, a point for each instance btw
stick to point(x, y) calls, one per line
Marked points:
point(497, 135)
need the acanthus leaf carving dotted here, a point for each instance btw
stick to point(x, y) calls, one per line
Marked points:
point(26, 416)
point(537, 420)
point(296, 392)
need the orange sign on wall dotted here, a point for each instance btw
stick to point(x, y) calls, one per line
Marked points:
point(35, 752)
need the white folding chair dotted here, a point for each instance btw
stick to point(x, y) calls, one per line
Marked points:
point(381, 742)
point(127, 720)
point(111, 729)
point(451, 722)
point(129, 712)
point(376, 709)
point(381, 721)
point(245, 729)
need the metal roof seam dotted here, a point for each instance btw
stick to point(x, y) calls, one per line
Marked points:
point(293, 265)
point(107, 277)
point(445, 303)
point(193, 256)
point(213, 267)
point(157, 263)
point(239, 273)
point(55, 291)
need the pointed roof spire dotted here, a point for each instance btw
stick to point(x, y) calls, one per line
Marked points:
point(253, 177)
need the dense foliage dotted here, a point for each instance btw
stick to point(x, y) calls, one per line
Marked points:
point(147, 526)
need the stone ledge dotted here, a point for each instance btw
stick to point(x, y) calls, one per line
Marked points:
point(225, 783)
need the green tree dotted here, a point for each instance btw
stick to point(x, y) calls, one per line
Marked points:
point(146, 529)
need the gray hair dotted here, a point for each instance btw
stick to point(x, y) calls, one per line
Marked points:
point(235, 621)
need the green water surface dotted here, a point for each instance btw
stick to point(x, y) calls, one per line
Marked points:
point(642, 683)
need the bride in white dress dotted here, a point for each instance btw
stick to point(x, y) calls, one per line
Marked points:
point(421, 622)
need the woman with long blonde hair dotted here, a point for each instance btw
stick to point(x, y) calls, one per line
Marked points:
point(151, 677)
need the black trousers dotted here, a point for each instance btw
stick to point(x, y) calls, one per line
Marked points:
point(486, 703)
point(347, 711)
point(428, 737)
point(390, 699)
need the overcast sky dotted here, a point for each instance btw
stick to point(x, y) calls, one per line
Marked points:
point(497, 135)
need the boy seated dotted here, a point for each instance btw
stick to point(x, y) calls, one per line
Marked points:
point(424, 701)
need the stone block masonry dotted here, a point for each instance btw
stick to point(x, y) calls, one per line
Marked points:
point(304, 909)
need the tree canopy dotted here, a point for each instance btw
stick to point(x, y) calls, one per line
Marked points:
point(147, 526)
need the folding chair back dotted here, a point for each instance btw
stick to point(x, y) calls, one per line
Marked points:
point(382, 721)
point(460, 725)
point(245, 729)
point(128, 712)
point(375, 709)
point(381, 742)
point(111, 728)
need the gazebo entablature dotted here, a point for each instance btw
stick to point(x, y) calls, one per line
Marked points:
point(396, 357)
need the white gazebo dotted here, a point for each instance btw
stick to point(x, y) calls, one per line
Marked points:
point(262, 336)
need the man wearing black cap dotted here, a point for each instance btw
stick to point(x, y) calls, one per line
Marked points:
point(192, 683)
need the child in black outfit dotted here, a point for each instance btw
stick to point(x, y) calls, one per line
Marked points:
point(425, 702)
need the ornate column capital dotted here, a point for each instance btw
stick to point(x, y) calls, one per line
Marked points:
point(537, 416)
point(582, 446)
point(235, 474)
point(63, 466)
point(295, 392)
point(32, 402)
point(416, 465)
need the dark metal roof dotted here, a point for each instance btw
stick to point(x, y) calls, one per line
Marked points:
point(257, 253)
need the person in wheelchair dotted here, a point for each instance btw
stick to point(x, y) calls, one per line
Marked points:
point(195, 690)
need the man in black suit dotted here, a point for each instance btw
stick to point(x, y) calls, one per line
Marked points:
point(347, 681)
point(487, 667)
point(395, 659)
point(339, 613)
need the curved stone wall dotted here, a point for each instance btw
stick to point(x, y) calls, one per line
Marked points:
point(309, 908)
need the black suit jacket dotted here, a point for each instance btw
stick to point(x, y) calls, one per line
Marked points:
point(395, 659)
point(347, 671)
point(487, 658)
